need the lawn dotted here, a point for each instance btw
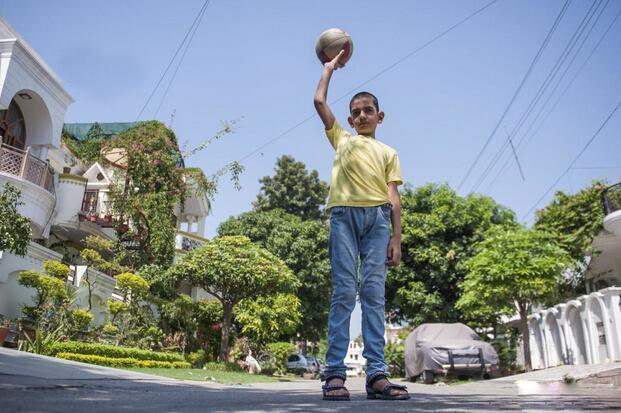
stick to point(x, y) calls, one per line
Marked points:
point(226, 377)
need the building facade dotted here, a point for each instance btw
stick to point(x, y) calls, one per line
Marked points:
point(65, 198)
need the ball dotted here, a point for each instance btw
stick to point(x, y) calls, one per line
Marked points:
point(331, 42)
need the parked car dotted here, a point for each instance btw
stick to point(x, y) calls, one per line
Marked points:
point(433, 349)
point(298, 363)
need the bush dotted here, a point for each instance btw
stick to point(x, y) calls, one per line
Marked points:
point(122, 362)
point(222, 366)
point(103, 350)
point(196, 358)
point(394, 356)
point(281, 352)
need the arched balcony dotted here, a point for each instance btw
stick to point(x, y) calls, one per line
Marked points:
point(611, 200)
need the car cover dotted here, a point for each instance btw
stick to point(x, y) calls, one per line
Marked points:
point(427, 348)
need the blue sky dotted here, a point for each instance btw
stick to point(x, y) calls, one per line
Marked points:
point(255, 61)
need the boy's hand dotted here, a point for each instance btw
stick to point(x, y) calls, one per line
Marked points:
point(335, 63)
point(394, 252)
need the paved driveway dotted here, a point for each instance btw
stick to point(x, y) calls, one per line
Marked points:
point(31, 383)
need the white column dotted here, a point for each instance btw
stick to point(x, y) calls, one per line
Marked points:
point(200, 231)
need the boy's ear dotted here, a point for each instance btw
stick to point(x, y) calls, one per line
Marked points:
point(380, 116)
point(350, 120)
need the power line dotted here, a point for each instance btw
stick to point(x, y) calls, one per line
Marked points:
point(524, 138)
point(173, 58)
point(575, 38)
point(378, 74)
point(187, 46)
point(574, 161)
point(523, 81)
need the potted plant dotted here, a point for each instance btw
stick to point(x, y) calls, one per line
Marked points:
point(94, 217)
point(81, 216)
point(107, 218)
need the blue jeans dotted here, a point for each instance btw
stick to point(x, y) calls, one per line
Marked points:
point(358, 235)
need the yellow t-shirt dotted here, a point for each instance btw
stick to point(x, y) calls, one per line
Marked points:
point(362, 169)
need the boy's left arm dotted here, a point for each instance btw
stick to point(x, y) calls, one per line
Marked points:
point(394, 245)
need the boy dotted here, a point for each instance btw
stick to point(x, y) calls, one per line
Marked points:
point(363, 202)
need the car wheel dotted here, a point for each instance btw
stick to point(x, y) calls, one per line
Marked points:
point(427, 377)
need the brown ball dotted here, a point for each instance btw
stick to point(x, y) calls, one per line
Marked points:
point(331, 42)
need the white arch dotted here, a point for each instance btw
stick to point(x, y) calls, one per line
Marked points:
point(575, 334)
point(554, 344)
point(537, 355)
point(596, 310)
point(39, 128)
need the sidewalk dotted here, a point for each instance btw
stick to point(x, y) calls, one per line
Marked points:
point(32, 383)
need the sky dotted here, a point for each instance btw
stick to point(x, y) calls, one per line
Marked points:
point(253, 62)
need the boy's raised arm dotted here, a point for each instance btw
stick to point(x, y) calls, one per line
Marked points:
point(321, 95)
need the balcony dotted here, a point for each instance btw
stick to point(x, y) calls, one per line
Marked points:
point(186, 242)
point(611, 200)
point(34, 179)
point(23, 165)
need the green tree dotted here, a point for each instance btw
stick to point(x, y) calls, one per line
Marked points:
point(576, 219)
point(14, 228)
point(268, 318)
point(512, 270)
point(50, 312)
point(303, 246)
point(233, 269)
point(293, 190)
point(439, 229)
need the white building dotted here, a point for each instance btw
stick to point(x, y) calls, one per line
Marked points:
point(586, 330)
point(64, 198)
point(354, 361)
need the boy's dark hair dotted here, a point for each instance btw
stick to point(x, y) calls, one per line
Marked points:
point(365, 95)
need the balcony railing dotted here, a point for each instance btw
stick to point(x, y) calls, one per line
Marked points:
point(20, 163)
point(184, 241)
point(611, 199)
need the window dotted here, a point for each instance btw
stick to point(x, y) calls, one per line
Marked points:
point(12, 126)
point(89, 205)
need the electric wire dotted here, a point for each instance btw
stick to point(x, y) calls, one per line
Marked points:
point(187, 46)
point(571, 164)
point(375, 76)
point(173, 59)
point(544, 44)
point(526, 138)
point(575, 38)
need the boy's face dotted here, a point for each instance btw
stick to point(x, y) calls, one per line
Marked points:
point(364, 117)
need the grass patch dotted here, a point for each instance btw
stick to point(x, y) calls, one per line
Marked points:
point(225, 377)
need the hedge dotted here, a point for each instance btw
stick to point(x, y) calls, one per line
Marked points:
point(122, 362)
point(94, 349)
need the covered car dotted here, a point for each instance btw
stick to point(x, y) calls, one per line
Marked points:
point(437, 348)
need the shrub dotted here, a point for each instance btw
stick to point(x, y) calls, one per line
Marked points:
point(281, 352)
point(222, 366)
point(122, 362)
point(80, 319)
point(102, 350)
point(395, 358)
point(196, 358)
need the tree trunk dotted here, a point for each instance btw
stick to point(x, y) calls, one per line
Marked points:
point(227, 310)
point(525, 337)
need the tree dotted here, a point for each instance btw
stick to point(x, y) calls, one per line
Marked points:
point(232, 269)
point(53, 297)
point(293, 190)
point(576, 219)
point(439, 229)
point(303, 246)
point(14, 228)
point(268, 318)
point(513, 269)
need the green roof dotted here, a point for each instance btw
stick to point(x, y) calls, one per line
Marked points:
point(80, 130)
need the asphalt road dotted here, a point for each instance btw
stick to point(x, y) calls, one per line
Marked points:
point(31, 383)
